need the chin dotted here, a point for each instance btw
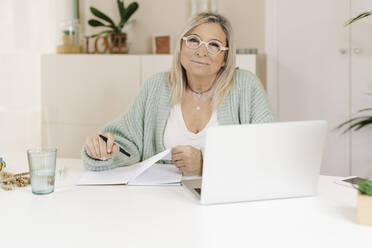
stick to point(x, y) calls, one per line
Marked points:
point(200, 72)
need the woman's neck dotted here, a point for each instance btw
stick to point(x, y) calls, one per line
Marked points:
point(200, 84)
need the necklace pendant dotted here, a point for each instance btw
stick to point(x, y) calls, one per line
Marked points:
point(199, 94)
point(197, 108)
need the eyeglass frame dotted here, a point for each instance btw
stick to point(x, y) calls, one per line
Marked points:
point(205, 43)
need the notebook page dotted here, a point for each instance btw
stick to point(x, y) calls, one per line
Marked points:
point(121, 175)
point(159, 174)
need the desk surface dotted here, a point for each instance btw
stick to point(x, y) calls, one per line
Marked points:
point(170, 216)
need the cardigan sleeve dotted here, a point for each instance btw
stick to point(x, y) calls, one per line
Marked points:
point(128, 131)
point(254, 106)
point(261, 111)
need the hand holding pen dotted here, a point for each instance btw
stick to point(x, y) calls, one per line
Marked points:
point(102, 146)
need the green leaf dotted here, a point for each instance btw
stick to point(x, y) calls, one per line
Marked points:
point(365, 109)
point(121, 9)
point(363, 15)
point(365, 187)
point(103, 32)
point(95, 23)
point(101, 15)
point(128, 13)
point(359, 122)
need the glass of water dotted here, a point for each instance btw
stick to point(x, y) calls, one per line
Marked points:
point(42, 165)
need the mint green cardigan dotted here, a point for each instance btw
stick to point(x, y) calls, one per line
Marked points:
point(140, 130)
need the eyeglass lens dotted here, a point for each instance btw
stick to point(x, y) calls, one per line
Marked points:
point(194, 42)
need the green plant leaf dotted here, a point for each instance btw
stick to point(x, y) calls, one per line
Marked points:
point(121, 9)
point(362, 120)
point(365, 187)
point(101, 15)
point(103, 32)
point(128, 13)
point(361, 124)
point(358, 17)
point(95, 23)
point(366, 109)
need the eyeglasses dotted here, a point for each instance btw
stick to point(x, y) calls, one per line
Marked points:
point(213, 47)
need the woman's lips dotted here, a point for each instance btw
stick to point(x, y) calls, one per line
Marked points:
point(198, 62)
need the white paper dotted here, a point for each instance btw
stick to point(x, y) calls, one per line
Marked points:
point(159, 174)
point(121, 175)
point(144, 165)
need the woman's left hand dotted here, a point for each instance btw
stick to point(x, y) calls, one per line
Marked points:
point(187, 159)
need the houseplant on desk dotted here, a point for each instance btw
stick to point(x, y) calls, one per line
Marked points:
point(118, 37)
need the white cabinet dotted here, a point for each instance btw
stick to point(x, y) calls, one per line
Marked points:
point(81, 93)
point(320, 74)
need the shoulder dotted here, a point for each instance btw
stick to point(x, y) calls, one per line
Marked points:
point(157, 81)
point(244, 79)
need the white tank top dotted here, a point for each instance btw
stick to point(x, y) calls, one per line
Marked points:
point(176, 132)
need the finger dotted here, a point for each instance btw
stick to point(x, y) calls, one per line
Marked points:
point(87, 150)
point(177, 158)
point(114, 150)
point(178, 152)
point(179, 164)
point(102, 148)
point(96, 146)
point(110, 142)
point(91, 147)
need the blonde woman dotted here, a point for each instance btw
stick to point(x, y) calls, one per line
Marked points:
point(174, 109)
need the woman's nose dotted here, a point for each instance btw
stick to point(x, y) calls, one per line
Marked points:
point(202, 50)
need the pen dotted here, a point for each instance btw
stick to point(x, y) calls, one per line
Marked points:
point(121, 149)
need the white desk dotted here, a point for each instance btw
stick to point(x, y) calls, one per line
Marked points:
point(169, 216)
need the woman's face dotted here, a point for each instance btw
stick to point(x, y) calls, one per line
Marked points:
point(199, 62)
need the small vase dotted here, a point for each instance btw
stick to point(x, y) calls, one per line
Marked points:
point(364, 209)
point(119, 43)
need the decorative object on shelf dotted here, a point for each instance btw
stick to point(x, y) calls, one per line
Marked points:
point(70, 31)
point(253, 51)
point(194, 7)
point(364, 202)
point(202, 6)
point(161, 44)
point(242, 51)
point(214, 5)
point(115, 40)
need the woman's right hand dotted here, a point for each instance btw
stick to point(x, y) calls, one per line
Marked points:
point(97, 148)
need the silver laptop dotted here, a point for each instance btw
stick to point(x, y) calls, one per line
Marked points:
point(260, 161)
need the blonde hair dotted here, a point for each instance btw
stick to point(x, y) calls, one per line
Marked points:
point(225, 76)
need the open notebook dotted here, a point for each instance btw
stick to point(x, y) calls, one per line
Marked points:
point(143, 173)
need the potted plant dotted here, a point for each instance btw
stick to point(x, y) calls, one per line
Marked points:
point(364, 202)
point(117, 36)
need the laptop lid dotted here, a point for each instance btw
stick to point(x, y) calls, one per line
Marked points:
point(262, 161)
